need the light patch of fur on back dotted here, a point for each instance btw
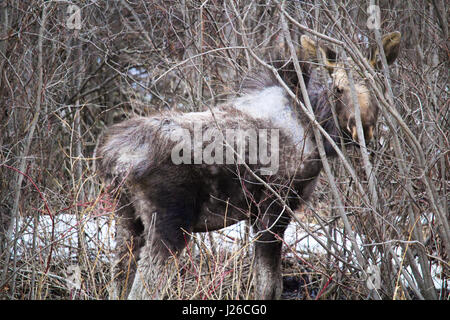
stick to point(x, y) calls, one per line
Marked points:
point(273, 105)
point(265, 104)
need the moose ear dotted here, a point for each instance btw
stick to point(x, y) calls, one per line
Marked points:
point(391, 47)
point(310, 48)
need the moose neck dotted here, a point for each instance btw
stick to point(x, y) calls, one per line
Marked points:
point(319, 98)
point(262, 90)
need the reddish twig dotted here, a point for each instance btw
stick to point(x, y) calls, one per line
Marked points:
point(324, 287)
point(46, 207)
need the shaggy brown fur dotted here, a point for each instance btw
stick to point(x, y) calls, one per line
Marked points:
point(161, 203)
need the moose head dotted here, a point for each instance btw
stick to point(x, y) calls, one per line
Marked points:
point(342, 92)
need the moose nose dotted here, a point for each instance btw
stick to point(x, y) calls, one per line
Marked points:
point(368, 133)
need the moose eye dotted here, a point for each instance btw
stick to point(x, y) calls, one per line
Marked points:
point(338, 90)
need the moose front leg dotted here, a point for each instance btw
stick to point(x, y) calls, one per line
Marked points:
point(154, 272)
point(267, 262)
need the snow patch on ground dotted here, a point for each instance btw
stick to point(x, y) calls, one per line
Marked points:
point(99, 233)
point(61, 235)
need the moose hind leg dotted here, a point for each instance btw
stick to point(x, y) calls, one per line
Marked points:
point(129, 240)
point(167, 233)
point(267, 261)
